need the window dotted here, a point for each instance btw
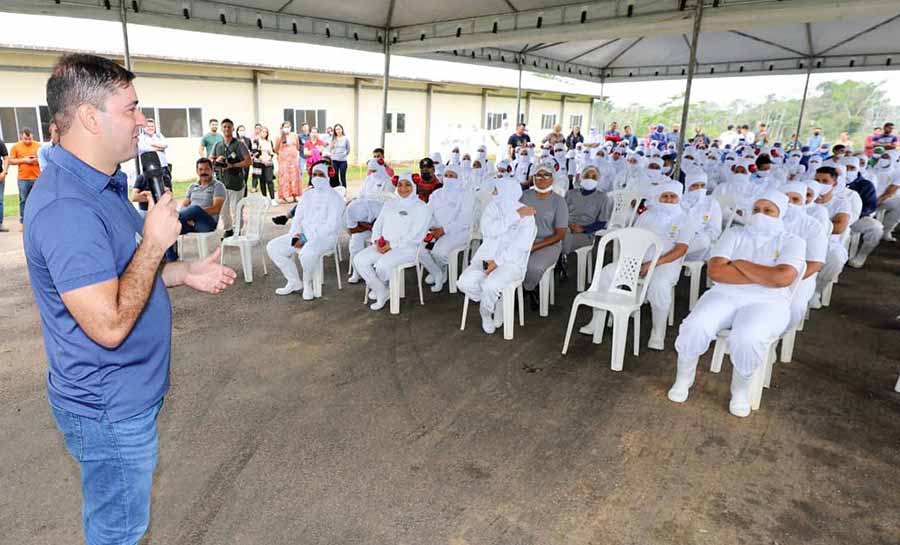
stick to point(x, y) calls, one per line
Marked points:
point(176, 122)
point(317, 119)
point(575, 120)
point(494, 121)
point(547, 121)
point(387, 123)
point(521, 117)
point(401, 122)
point(14, 119)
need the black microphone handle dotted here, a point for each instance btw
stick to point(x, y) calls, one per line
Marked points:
point(157, 188)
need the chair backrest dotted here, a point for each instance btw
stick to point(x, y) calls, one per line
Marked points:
point(256, 207)
point(625, 205)
point(856, 205)
point(633, 244)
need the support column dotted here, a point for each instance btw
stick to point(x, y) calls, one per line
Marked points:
point(256, 96)
point(527, 107)
point(562, 111)
point(124, 17)
point(590, 119)
point(386, 83)
point(796, 143)
point(357, 87)
point(483, 109)
point(429, 96)
point(695, 37)
point(519, 95)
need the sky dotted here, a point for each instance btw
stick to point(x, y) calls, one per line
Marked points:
point(56, 32)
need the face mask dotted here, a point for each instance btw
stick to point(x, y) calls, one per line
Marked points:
point(545, 190)
point(454, 157)
point(588, 184)
point(286, 130)
point(654, 174)
point(426, 176)
point(467, 163)
point(667, 207)
point(450, 183)
point(240, 134)
point(693, 197)
point(761, 223)
point(884, 163)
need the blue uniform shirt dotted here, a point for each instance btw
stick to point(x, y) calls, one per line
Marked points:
point(80, 230)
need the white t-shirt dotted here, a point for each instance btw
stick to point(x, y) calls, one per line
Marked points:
point(811, 231)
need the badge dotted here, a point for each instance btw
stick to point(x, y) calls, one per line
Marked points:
point(705, 218)
point(776, 254)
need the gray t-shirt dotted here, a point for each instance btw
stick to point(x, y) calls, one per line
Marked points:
point(552, 213)
point(586, 209)
point(234, 152)
point(341, 149)
point(203, 196)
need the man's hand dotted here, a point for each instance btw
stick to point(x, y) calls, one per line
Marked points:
point(161, 228)
point(491, 267)
point(437, 232)
point(297, 243)
point(644, 268)
point(575, 228)
point(208, 276)
point(2, 176)
point(526, 211)
point(384, 249)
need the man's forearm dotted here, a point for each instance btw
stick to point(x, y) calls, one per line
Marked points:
point(549, 241)
point(760, 274)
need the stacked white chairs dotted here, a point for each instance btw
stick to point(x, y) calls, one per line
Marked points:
point(762, 377)
point(247, 232)
point(625, 294)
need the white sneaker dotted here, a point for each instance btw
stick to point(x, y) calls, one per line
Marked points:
point(740, 395)
point(588, 328)
point(498, 314)
point(308, 292)
point(888, 237)
point(684, 379)
point(429, 279)
point(354, 278)
point(857, 262)
point(815, 302)
point(289, 288)
point(487, 321)
point(274, 202)
point(438, 283)
point(656, 342)
point(372, 295)
point(380, 300)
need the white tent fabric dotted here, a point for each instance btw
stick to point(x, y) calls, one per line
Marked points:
point(606, 40)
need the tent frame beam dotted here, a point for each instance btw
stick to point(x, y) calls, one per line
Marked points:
point(695, 39)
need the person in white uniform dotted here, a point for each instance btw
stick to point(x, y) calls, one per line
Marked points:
point(314, 232)
point(753, 268)
point(508, 231)
point(814, 209)
point(887, 185)
point(814, 234)
point(396, 237)
point(667, 219)
point(362, 211)
point(839, 212)
point(705, 211)
point(451, 207)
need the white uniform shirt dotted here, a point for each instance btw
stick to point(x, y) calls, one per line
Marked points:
point(402, 226)
point(677, 228)
point(811, 231)
point(782, 249)
point(318, 215)
point(452, 209)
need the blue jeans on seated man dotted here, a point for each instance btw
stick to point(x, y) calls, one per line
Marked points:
point(201, 222)
point(117, 460)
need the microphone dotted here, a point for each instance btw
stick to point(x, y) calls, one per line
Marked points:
point(153, 173)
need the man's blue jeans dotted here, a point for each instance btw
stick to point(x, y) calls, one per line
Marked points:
point(117, 460)
point(25, 187)
point(2, 187)
point(203, 222)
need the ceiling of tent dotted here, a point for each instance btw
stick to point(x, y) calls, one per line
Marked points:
point(601, 40)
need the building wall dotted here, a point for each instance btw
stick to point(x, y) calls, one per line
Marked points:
point(228, 91)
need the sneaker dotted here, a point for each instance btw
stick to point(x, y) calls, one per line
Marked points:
point(354, 278)
point(857, 262)
point(429, 279)
point(380, 301)
point(289, 288)
point(280, 220)
point(815, 302)
point(487, 321)
point(888, 237)
point(228, 233)
point(438, 283)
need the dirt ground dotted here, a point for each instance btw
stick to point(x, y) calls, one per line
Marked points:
point(293, 422)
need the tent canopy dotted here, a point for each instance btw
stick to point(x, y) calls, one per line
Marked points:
point(605, 40)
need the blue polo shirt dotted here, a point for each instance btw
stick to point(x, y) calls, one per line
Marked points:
point(81, 230)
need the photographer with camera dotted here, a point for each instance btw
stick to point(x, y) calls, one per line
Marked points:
point(231, 156)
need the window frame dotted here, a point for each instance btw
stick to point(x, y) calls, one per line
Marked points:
point(187, 117)
point(38, 132)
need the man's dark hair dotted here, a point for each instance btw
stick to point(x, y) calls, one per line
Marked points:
point(520, 125)
point(378, 150)
point(838, 148)
point(763, 159)
point(627, 127)
point(426, 163)
point(226, 120)
point(26, 131)
point(745, 126)
point(831, 171)
point(213, 120)
point(730, 127)
point(79, 79)
point(888, 124)
point(150, 120)
point(204, 161)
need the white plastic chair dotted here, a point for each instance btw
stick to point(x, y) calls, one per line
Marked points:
point(762, 377)
point(624, 212)
point(319, 276)
point(897, 387)
point(203, 243)
point(829, 287)
point(247, 233)
point(508, 298)
point(622, 303)
point(547, 291)
point(397, 283)
point(453, 270)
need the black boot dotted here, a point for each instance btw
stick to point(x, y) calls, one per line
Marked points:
point(534, 301)
point(280, 220)
point(563, 267)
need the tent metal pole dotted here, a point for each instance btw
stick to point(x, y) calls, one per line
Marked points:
point(124, 18)
point(695, 38)
point(796, 143)
point(384, 91)
point(519, 93)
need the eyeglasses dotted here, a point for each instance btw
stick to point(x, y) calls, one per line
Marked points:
point(543, 176)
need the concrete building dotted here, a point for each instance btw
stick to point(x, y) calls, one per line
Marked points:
point(182, 96)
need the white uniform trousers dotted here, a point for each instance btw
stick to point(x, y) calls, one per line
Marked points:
point(229, 208)
point(870, 231)
point(358, 242)
point(484, 288)
point(800, 303)
point(437, 258)
point(835, 260)
point(754, 316)
point(659, 292)
point(282, 254)
point(892, 213)
point(375, 268)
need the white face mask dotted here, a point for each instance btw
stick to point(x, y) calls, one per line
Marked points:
point(467, 163)
point(884, 163)
point(588, 184)
point(739, 177)
point(693, 197)
point(545, 190)
point(761, 223)
point(667, 207)
point(286, 130)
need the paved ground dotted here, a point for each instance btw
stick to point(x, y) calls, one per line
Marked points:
point(293, 422)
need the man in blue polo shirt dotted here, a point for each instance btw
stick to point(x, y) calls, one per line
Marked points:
point(95, 271)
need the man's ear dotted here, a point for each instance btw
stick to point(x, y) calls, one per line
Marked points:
point(89, 117)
